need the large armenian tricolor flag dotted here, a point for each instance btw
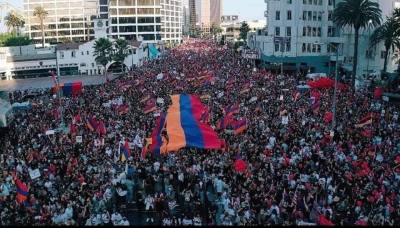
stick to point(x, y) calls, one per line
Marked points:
point(184, 128)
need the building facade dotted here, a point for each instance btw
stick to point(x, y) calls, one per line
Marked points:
point(301, 35)
point(154, 20)
point(67, 20)
point(67, 59)
point(206, 13)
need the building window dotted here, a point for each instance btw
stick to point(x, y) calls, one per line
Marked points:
point(277, 15)
point(319, 16)
point(61, 54)
point(87, 52)
point(305, 2)
point(277, 31)
point(331, 31)
point(309, 15)
point(314, 18)
point(276, 47)
point(314, 31)
point(289, 1)
point(308, 48)
point(304, 15)
point(288, 46)
point(319, 32)
point(288, 31)
point(289, 15)
point(331, 2)
point(330, 13)
point(303, 47)
point(73, 54)
point(304, 31)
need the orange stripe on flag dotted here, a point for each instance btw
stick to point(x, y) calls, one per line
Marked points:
point(176, 135)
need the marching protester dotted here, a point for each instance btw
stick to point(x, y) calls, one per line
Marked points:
point(281, 160)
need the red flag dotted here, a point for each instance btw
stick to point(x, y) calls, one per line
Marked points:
point(328, 117)
point(378, 93)
point(240, 166)
point(322, 220)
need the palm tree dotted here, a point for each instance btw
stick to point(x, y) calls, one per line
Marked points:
point(103, 52)
point(121, 52)
point(389, 33)
point(357, 14)
point(14, 21)
point(41, 14)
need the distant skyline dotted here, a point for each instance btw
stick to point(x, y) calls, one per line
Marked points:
point(247, 10)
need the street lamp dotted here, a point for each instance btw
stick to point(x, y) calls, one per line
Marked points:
point(336, 79)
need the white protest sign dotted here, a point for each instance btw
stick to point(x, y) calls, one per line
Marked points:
point(221, 94)
point(160, 76)
point(79, 139)
point(50, 132)
point(285, 120)
point(253, 99)
point(281, 98)
point(160, 100)
point(34, 173)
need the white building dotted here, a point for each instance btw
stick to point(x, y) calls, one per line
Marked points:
point(154, 20)
point(71, 59)
point(301, 35)
point(66, 20)
point(369, 60)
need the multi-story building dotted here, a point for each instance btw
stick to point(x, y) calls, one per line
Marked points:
point(192, 14)
point(67, 59)
point(154, 20)
point(66, 20)
point(172, 21)
point(206, 13)
point(215, 12)
point(301, 35)
point(370, 59)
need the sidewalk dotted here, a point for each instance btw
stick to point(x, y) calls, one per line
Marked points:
point(47, 82)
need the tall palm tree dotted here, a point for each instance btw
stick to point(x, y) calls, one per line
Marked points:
point(357, 14)
point(41, 14)
point(103, 49)
point(13, 22)
point(121, 52)
point(389, 33)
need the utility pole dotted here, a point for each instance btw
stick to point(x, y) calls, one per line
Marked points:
point(335, 90)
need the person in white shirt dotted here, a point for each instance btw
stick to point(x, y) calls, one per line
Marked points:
point(197, 220)
point(186, 221)
point(167, 221)
point(116, 217)
point(149, 202)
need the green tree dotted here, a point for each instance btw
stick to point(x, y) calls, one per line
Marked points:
point(17, 41)
point(120, 52)
point(41, 14)
point(357, 14)
point(103, 49)
point(389, 33)
point(244, 29)
point(4, 37)
point(14, 22)
point(215, 30)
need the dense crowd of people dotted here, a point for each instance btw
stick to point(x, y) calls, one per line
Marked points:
point(298, 171)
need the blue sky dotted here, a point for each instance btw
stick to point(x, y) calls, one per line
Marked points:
point(246, 9)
